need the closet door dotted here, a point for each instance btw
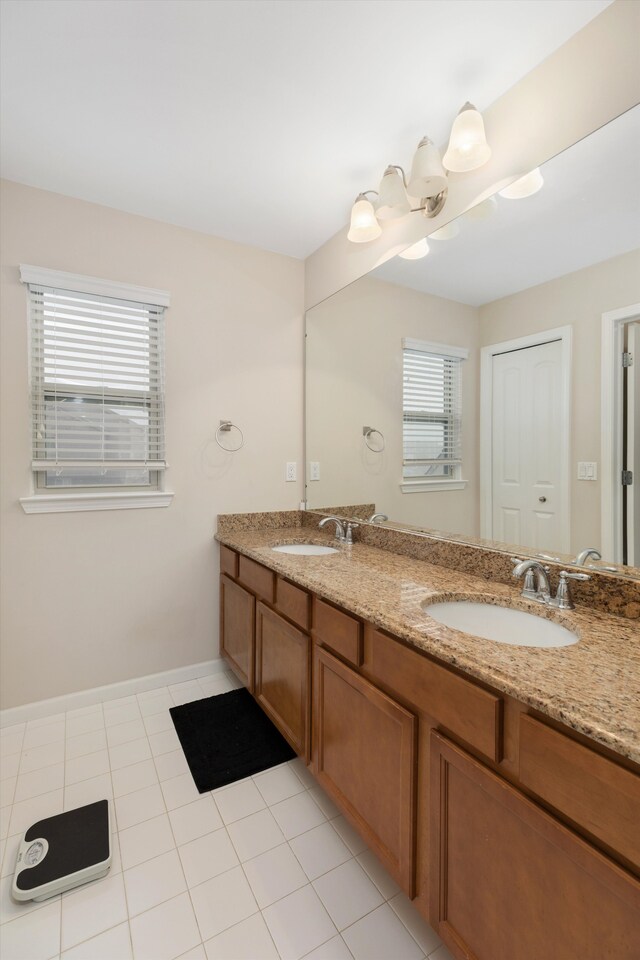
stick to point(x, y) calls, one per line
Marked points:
point(507, 880)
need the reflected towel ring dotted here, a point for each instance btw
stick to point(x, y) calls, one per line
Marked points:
point(225, 427)
point(367, 433)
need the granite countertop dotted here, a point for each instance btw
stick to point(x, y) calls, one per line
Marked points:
point(592, 686)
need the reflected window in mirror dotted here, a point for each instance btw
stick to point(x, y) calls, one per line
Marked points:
point(431, 413)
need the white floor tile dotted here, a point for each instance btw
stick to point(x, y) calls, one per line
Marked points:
point(350, 836)
point(166, 931)
point(325, 802)
point(223, 901)
point(153, 882)
point(83, 768)
point(425, 936)
point(10, 909)
point(198, 953)
point(238, 800)
point(303, 773)
point(186, 692)
point(347, 893)
point(135, 777)
point(207, 857)
point(85, 723)
point(152, 694)
point(121, 714)
point(248, 940)
point(171, 765)
point(441, 954)
point(114, 944)
point(142, 805)
point(195, 820)
point(157, 722)
point(299, 923)
point(278, 784)
point(379, 936)
point(46, 721)
point(126, 754)
point(145, 841)
point(11, 742)
point(88, 791)
point(22, 939)
point(149, 708)
point(36, 758)
point(255, 834)
point(10, 855)
point(48, 733)
point(334, 949)
point(179, 790)
point(125, 732)
point(274, 875)
point(10, 766)
point(166, 741)
point(213, 686)
point(37, 808)
point(297, 815)
point(91, 909)
point(320, 850)
point(12, 729)
point(7, 791)
point(380, 876)
point(85, 743)
point(39, 781)
point(83, 712)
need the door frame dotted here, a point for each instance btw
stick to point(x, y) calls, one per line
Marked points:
point(565, 336)
point(613, 323)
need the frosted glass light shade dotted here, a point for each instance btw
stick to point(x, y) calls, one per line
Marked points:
point(448, 232)
point(392, 201)
point(482, 211)
point(468, 148)
point(416, 251)
point(524, 187)
point(364, 226)
point(428, 177)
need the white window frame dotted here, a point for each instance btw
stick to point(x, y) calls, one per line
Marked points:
point(424, 485)
point(71, 499)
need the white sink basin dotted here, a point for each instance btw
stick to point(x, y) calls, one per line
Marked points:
point(502, 624)
point(305, 549)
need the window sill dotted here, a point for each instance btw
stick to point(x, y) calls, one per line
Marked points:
point(424, 486)
point(73, 502)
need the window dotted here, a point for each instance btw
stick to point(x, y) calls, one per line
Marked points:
point(431, 415)
point(97, 383)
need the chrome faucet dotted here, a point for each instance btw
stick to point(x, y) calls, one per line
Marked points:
point(340, 531)
point(584, 555)
point(378, 517)
point(348, 534)
point(536, 579)
point(563, 599)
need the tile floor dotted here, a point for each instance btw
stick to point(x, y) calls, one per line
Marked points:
point(260, 870)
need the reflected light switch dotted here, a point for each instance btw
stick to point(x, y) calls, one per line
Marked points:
point(587, 470)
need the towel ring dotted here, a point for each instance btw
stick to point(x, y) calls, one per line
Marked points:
point(225, 427)
point(367, 433)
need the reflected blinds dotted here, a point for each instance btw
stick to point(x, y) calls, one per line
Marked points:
point(432, 409)
point(97, 372)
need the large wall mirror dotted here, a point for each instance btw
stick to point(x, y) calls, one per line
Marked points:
point(465, 392)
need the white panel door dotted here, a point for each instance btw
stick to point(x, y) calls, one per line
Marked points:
point(526, 446)
point(633, 447)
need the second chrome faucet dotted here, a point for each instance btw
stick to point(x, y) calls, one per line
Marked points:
point(537, 586)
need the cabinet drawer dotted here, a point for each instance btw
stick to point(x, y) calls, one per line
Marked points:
point(293, 602)
point(592, 790)
point(257, 578)
point(466, 710)
point(228, 561)
point(338, 631)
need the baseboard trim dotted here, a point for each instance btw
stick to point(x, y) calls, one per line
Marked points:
point(111, 691)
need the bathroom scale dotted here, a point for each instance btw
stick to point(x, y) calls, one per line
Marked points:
point(61, 852)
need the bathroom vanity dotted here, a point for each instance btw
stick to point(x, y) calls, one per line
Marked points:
point(499, 785)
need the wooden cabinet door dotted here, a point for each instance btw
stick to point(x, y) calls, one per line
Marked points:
point(283, 676)
point(507, 880)
point(365, 757)
point(237, 629)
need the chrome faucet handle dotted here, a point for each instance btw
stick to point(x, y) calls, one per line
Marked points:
point(348, 536)
point(340, 531)
point(563, 599)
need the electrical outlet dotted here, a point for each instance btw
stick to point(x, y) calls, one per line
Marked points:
point(314, 470)
point(292, 470)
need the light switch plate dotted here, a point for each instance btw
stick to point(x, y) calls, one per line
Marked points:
point(314, 470)
point(587, 470)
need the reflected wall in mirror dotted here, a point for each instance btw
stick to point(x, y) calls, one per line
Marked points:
point(464, 392)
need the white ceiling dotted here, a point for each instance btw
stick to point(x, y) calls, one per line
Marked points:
point(254, 120)
point(587, 211)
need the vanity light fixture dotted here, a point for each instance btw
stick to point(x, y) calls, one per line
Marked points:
point(448, 232)
point(428, 182)
point(416, 251)
point(524, 187)
point(468, 148)
point(483, 210)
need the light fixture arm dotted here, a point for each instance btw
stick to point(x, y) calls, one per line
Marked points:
point(431, 206)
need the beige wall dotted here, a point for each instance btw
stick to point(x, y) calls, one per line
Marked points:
point(354, 378)
point(578, 299)
point(93, 598)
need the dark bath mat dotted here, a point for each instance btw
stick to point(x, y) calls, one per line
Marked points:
point(226, 738)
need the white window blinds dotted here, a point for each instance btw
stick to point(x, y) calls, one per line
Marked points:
point(97, 382)
point(432, 410)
